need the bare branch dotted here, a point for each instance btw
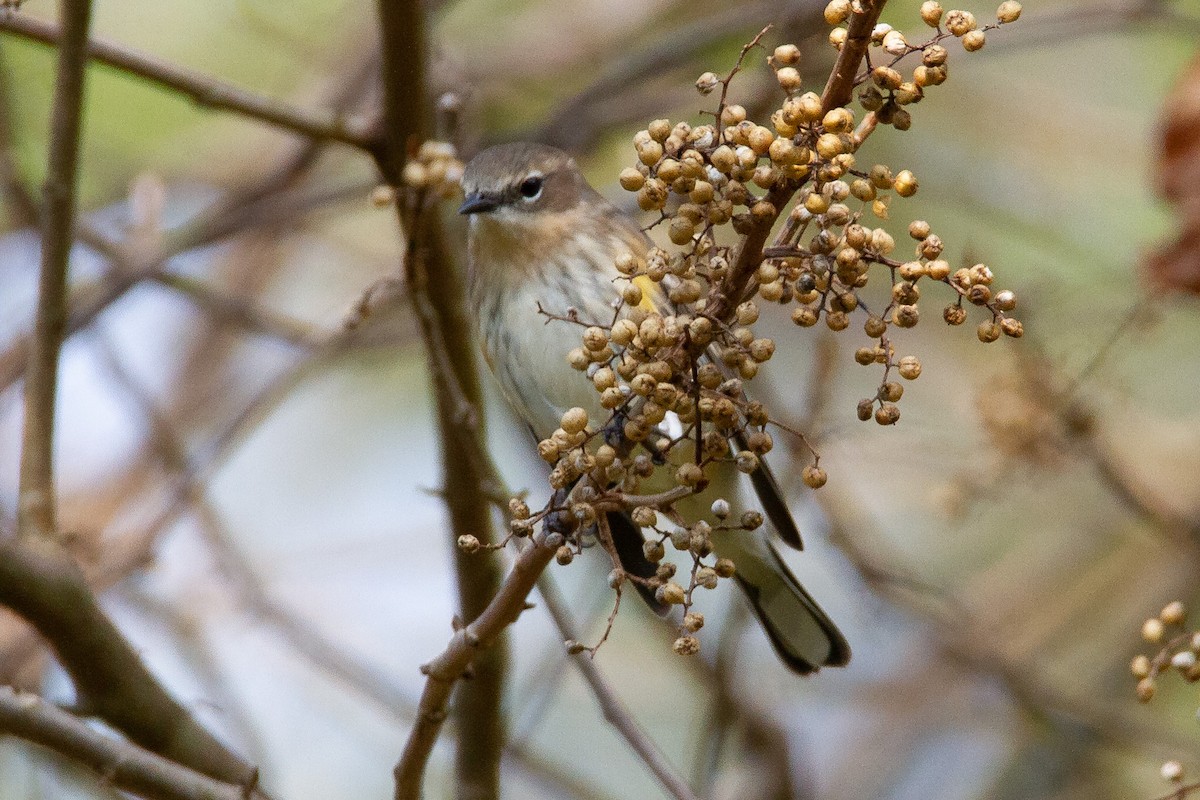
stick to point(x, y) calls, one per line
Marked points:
point(42, 583)
point(438, 300)
point(203, 89)
point(444, 671)
point(840, 86)
point(35, 514)
point(123, 765)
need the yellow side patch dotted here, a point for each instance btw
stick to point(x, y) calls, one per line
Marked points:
point(650, 291)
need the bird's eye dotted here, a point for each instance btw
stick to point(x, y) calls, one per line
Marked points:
point(531, 187)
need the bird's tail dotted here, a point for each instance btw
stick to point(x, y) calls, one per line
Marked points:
point(803, 635)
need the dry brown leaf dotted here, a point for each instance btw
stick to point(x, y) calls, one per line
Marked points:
point(1176, 265)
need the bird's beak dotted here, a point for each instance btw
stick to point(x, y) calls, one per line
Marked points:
point(477, 203)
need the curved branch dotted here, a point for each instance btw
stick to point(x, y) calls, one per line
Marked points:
point(123, 765)
point(444, 671)
point(204, 90)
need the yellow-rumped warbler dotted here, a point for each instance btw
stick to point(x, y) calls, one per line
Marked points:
point(542, 239)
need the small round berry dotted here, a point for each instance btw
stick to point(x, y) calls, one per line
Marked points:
point(686, 646)
point(1009, 11)
point(906, 316)
point(838, 120)
point(789, 79)
point(1184, 660)
point(670, 593)
point(935, 56)
point(837, 320)
point(706, 83)
point(574, 420)
point(804, 317)
point(973, 41)
point(960, 22)
point(837, 12)
point(468, 543)
point(654, 551)
point(988, 332)
point(1006, 300)
point(1012, 327)
point(1145, 690)
point(693, 621)
point(644, 516)
point(720, 508)
point(906, 183)
point(887, 414)
point(689, 474)
point(886, 78)
point(752, 520)
point(1140, 666)
point(931, 13)
point(1171, 771)
point(1152, 630)
point(1173, 613)
point(732, 115)
point(866, 407)
point(383, 196)
point(787, 54)
point(829, 146)
point(894, 43)
point(909, 368)
point(814, 477)
point(979, 295)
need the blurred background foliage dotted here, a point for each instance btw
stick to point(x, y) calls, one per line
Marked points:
point(247, 483)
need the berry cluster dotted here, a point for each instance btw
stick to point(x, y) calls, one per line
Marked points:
point(670, 365)
point(1179, 650)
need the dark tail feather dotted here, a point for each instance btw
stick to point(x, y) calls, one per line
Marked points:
point(803, 635)
point(771, 497)
point(628, 540)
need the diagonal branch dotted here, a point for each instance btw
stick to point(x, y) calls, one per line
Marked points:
point(444, 671)
point(123, 765)
point(614, 710)
point(42, 583)
point(840, 86)
point(838, 92)
point(204, 89)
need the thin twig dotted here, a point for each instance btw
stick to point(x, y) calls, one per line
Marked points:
point(614, 710)
point(119, 763)
point(204, 89)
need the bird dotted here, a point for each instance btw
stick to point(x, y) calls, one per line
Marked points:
point(540, 238)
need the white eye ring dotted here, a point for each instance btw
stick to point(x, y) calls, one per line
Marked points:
point(531, 187)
